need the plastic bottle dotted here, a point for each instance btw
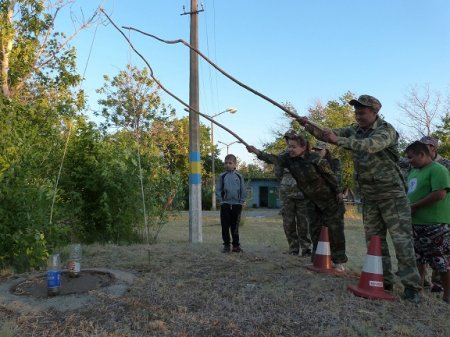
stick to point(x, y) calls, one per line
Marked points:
point(74, 264)
point(53, 275)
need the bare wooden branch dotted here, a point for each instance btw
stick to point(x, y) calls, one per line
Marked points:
point(166, 90)
point(278, 105)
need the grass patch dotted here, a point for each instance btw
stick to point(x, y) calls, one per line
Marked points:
point(183, 289)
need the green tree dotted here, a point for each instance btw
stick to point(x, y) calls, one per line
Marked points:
point(36, 61)
point(170, 138)
point(252, 171)
point(38, 93)
point(30, 152)
point(443, 134)
point(132, 104)
point(336, 114)
point(101, 180)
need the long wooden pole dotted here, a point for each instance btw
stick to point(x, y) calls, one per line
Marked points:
point(195, 179)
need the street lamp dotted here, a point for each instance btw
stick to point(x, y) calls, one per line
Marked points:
point(213, 171)
point(228, 145)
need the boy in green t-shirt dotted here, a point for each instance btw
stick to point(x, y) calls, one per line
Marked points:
point(428, 187)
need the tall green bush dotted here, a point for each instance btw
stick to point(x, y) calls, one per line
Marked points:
point(29, 151)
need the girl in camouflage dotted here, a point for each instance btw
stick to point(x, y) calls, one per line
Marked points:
point(318, 183)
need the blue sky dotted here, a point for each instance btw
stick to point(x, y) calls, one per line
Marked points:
point(292, 51)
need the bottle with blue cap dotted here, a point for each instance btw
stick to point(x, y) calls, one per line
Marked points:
point(53, 275)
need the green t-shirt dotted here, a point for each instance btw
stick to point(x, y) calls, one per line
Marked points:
point(422, 182)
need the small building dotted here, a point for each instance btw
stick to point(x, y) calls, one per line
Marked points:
point(263, 192)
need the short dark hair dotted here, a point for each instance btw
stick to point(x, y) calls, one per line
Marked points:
point(232, 157)
point(418, 147)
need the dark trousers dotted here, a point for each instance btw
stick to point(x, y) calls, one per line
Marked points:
point(230, 216)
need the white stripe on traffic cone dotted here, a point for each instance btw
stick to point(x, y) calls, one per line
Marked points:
point(371, 280)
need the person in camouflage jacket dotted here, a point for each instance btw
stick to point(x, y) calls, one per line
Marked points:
point(318, 183)
point(374, 146)
point(323, 150)
point(294, 210)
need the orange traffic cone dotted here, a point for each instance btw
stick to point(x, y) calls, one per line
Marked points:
point(322, 257)
point(371, 280)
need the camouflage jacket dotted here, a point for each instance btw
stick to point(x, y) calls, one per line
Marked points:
point(336, 167)
point(289, 188)
point(314, 175)
point(375, 157)
point(288, 185)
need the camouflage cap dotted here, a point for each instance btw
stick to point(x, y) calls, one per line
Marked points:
point(429, 141)
point(320, 146)
point(366, 100)
point(290, 134)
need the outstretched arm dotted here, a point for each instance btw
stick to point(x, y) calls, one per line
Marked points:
point(321, 133)
point(267, 157)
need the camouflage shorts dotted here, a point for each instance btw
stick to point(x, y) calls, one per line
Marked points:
point(432, 246)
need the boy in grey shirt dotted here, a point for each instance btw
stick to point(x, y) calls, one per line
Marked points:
point(230, 192)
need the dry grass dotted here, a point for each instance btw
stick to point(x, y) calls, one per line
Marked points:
point(188, 290)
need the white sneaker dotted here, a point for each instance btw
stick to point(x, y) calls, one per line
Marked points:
point(339, 267)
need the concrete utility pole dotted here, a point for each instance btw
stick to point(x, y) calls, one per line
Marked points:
point(195, 179)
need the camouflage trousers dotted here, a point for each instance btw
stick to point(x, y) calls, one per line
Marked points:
point(393, 216)
point(295, 224)
point(331, 215)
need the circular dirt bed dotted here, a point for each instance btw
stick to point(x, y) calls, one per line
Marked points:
point(87, 280)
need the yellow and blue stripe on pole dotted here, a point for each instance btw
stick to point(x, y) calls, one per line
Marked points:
point(195, 176)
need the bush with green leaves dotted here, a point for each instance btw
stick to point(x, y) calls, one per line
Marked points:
point(29, 151)
point(102, 174)
point(98, 198)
